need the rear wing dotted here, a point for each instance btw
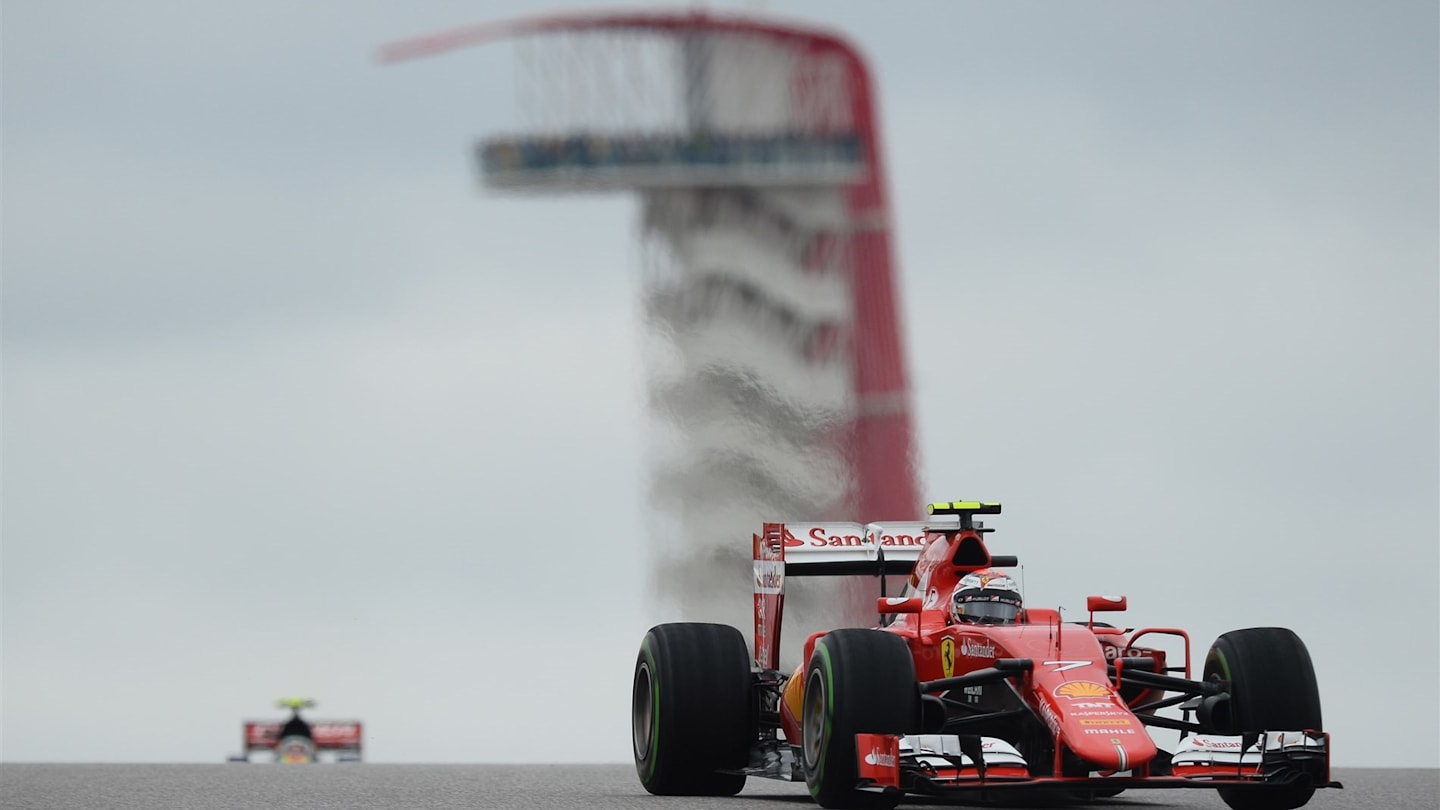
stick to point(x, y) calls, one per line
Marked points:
point(827, 549)
point(341, 736)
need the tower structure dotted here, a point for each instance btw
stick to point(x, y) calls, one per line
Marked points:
point(778, 383)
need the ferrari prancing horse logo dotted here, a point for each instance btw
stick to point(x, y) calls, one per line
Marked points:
point(947, 656)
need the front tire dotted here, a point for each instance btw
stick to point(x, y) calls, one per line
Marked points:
point(690, 710)
point(857, 682)
point(1272, 688)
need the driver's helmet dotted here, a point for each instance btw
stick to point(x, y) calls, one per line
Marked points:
point(986, 597)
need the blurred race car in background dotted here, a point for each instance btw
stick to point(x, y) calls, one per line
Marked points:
point(300, 741)
point(984, 706)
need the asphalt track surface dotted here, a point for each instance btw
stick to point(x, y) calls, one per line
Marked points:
point(441, 787)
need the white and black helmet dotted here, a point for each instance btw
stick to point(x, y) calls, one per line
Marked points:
point(986, 597)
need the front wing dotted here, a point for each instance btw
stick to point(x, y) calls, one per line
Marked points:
point(942, 765)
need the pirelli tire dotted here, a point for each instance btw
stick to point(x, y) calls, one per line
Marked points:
point(690, 710)
point(856, 682)
point(1272, 688)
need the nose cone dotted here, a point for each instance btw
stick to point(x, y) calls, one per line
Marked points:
point(1112, 748)
point(1072, 693)
point(1097, 726)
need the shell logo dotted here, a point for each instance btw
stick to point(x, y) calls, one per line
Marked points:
point(1082, 689)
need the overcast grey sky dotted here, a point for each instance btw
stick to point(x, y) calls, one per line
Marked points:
point(292, 406)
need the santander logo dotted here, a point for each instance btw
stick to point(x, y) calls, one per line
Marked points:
point(977, 649)
point(818, 537)
point(838, 535)
point(1211, 742)
point(879, 759)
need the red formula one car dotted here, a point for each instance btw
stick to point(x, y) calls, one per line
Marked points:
point(963, 692)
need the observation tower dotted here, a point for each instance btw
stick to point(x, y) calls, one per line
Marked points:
point(777, 384)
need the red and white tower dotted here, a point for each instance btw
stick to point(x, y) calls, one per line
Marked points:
point(779, 386)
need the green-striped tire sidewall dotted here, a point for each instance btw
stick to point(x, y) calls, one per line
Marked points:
point(700, 725)
point(868, 677)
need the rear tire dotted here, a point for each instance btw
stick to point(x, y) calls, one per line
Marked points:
point(1272, 688)
point(857, 681)
point(690, 710)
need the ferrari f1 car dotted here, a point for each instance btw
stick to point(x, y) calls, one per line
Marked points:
point(924, 705)
point(300, 741)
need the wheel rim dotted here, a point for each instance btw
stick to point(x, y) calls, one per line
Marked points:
point(812, 724)
point(642, 701)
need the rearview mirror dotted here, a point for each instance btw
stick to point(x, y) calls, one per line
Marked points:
point(1104, 604)
point(899, 604)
